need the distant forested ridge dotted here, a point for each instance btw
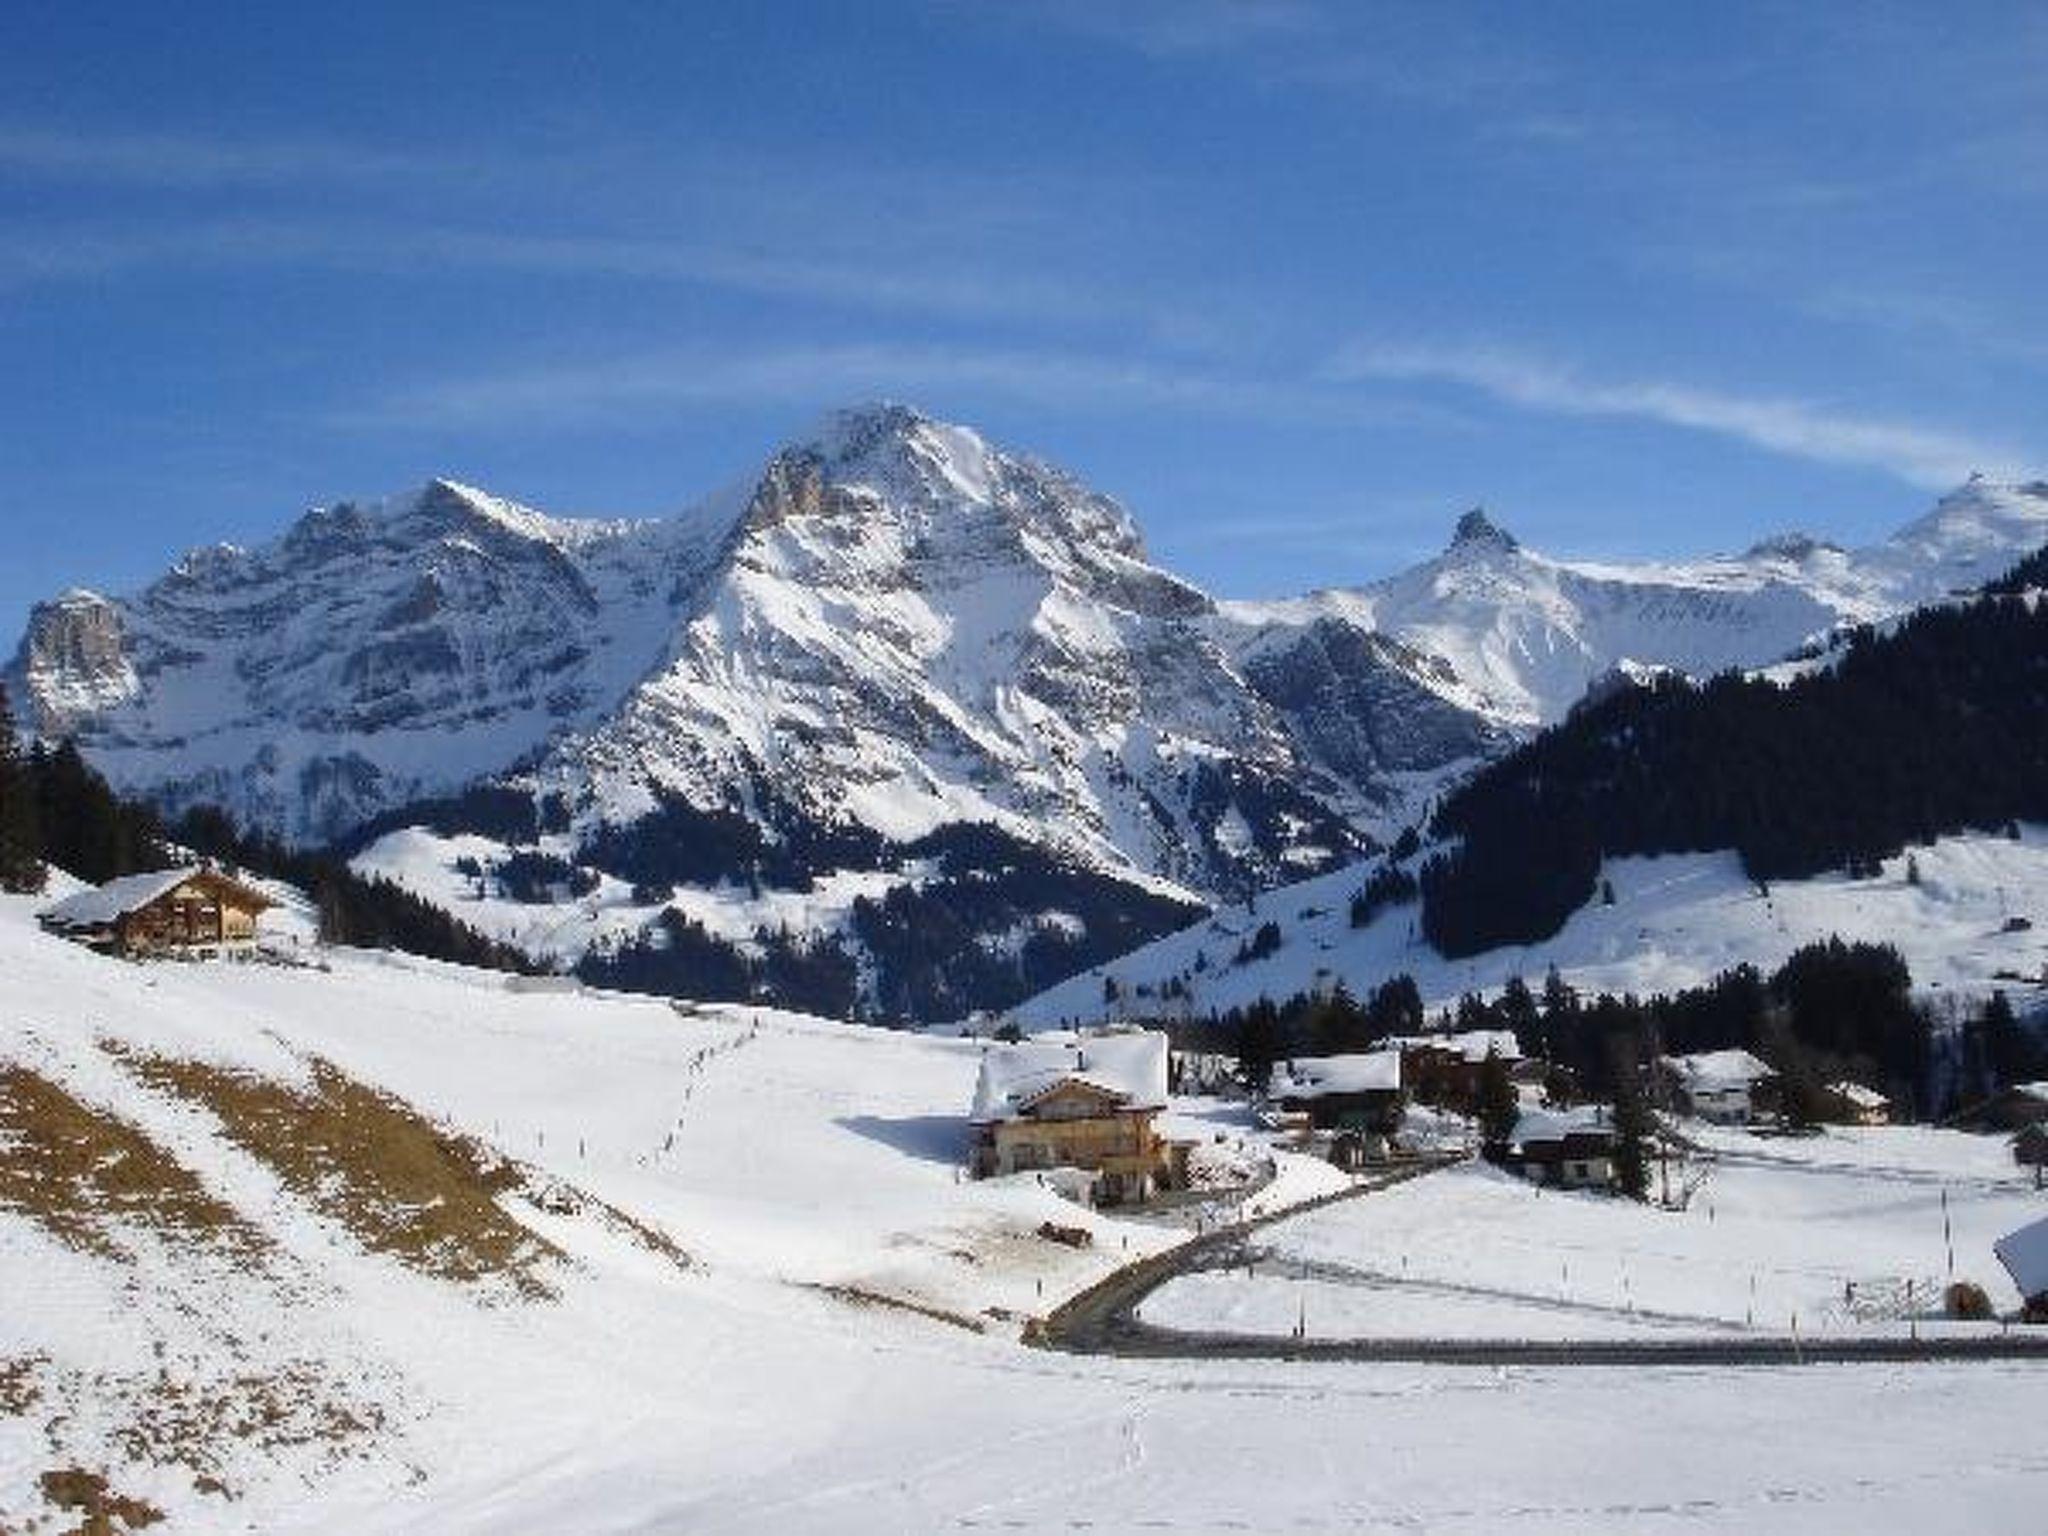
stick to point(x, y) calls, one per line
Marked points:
point(1937, 726)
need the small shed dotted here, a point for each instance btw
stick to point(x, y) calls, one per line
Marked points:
point(1853, 1104)
point(164, 911)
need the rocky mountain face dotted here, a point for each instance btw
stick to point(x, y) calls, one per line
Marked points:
point(909, 629)
point(373, 654)
point(893, 633)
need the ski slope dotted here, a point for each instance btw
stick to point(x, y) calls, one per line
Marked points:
point(725, 1279)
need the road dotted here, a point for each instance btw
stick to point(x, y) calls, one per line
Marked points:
point(1103, 1320)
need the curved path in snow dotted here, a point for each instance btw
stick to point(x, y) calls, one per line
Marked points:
point(1103, 1320)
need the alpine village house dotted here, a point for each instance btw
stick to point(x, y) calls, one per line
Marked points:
point(193, 910)
point(1089, 1102)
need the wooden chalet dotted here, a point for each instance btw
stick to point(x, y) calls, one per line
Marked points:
point(1445, 1070)
point(1360, 1092)
point(1729, 1087)
point(192, 910)
point(1568, 1149)
point(1088, 1102)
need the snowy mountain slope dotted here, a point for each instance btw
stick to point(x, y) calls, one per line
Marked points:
point(1677, 920)
point(214, 1337)
point(1526, 634)
point(372, 654)
point(894, 631)
point(910, 627)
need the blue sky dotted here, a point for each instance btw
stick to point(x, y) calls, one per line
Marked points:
point(1297, 281)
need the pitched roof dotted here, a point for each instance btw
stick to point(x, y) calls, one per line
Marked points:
point(1472, 1045)
point(1129, 1066)
point(102, 904)
point(1543, 1125)
point(1719, 1069)
point(1316, 1077)
point(1858, 1095)
point(2025, 1256)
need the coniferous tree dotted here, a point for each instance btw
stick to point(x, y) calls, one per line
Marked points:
point(1634, 1125)
point(1499, 1106)
point(1516, 1010)
point(1395, 1007)
point(21, 843)
point(1260, 1042)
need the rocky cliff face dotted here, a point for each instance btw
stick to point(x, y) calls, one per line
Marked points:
point(911, 628)
point(374, 653)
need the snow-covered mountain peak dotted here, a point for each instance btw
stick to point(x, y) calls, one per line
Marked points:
point(932, 480)
point(1476, 532)
point(1973, 534)
point(1793, 546)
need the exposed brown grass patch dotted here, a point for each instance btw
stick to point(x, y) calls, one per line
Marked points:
point(82, 1174)
point(213, 1426)
point(401, 1185)
point(18, 1389)
point(190, 1422)
point(861, 1296)
point(106, 1513)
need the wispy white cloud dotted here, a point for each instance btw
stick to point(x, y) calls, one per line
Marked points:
point(820, 272)
point(1920, 454)
point(1427, 56)
point(181, 160)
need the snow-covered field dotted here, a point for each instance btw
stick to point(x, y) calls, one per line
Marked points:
point(1847, 1233)
point(675, 1309)
point(1676, 921)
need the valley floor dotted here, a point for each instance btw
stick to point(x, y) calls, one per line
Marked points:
point(388, 1246)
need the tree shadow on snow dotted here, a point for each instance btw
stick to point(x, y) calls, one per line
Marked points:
point(935, 1138)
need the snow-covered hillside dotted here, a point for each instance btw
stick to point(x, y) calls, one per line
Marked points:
point(1676, 920)
point(386, 1246)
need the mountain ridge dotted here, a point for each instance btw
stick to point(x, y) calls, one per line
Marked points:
point(893, 629)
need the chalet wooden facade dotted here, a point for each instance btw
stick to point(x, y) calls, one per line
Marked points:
point(1360, 1093)
point(1446, 1070)
point(170, 911)
point(1090, 1103)
point(1566, 1149)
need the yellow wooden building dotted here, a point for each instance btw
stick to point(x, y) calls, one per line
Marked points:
point(166, 911)
point(1088, 1102)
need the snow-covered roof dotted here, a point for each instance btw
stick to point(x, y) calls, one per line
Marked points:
point(1129, 1065)
point(1473, 1045)
point(1719, 1069)
point(102, 904)
point(1556, 1124)
point(2025, 1256)
point(2032, 1090)
point(1858, 1095)
point(1315, 1077)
